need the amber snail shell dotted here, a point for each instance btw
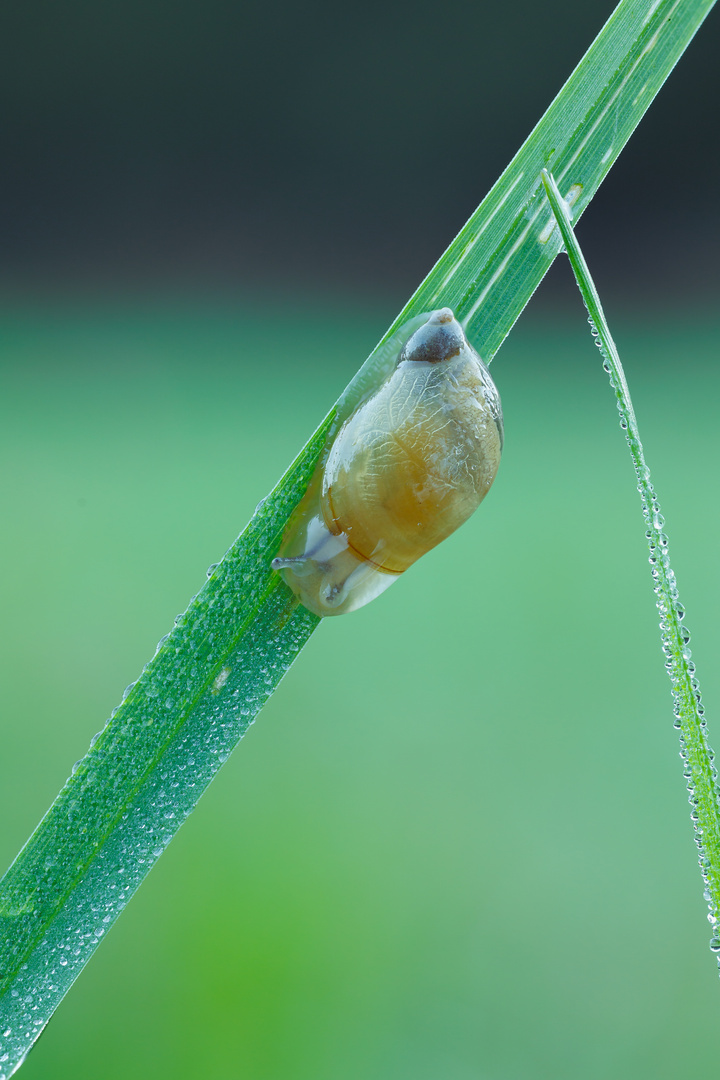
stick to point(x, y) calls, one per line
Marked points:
point(409, 466)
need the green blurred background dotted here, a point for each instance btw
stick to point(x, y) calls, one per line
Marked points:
point(456, 844)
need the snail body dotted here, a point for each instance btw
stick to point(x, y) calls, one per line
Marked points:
point(408, 467)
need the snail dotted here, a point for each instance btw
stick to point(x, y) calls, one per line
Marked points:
point(406, 468)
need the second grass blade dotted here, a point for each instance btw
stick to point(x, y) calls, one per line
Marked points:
point(700, 773)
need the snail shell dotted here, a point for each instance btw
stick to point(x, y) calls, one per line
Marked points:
point(407, 468)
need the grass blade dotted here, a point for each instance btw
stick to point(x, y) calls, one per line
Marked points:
point(698, 757)
point(195, 699)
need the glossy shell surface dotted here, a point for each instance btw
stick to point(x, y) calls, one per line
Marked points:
point(409, 466)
